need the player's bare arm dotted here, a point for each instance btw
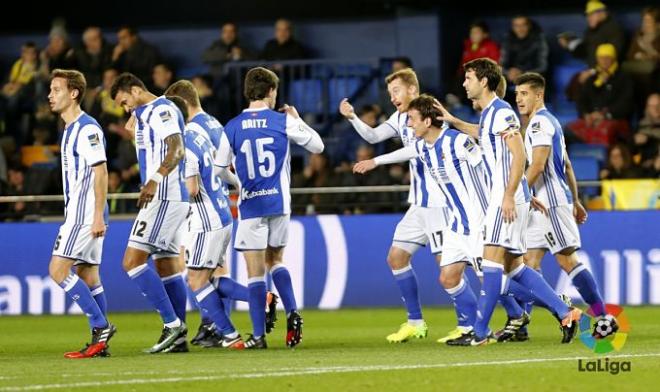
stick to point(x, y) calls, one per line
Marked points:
point(192, 185)
point(540, 156)
point(174, 155)
point(463, 126)
point(579, 212)
point(100, 197)
point(515, 144)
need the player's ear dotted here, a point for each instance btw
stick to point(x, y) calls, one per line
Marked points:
point(75, 93)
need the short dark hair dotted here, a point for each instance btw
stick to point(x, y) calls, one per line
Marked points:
point(131, 29)
point(485, 68)
point(258, 83)
point(534, 79)
point(75, 80)
point(369, 108)
point(181, 104)
point(480, 24)
point(206, 78)
point(30, 44)
point(404, 60)
point(124, 82)
point(424, 105)
point(185, 90)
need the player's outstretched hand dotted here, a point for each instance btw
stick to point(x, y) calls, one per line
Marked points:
point(538, 205)
point(579, 212)
point(290, 110)
point(508, 209)
point(98, 228)
point(346, 109)
point(364, 166)
point(147, 194)
point(445, 116)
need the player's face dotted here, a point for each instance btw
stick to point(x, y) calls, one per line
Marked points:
point(526, 99)
point(126, 100)
point(415, 122)
point(400, 94)
point(472, 85)
point(60, 98)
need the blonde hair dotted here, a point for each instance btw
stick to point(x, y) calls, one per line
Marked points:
point(406, 75)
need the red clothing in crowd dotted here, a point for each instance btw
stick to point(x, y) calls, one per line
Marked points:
point(486, 48)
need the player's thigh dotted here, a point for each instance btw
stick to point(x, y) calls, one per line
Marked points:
point(509, 236)
point(563, 233)
point(255, 262)
point(538, 228)
point(278, 231)
point(435, 223)
point(59, 268)
point(157, 227)
point(251, 234)
point(76, 242)
point(198, 277)
point(410, 233)
point(206, 249)
point(89, 273)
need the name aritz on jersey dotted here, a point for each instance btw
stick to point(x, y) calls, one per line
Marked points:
point(254, 123)
point(246, 195)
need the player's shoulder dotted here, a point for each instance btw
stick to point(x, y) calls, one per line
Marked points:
point(88, 122)
point(544, 121)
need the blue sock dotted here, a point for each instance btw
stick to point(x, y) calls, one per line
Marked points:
point(282, 281)
point(586, 285)
point(79, 292)
point(533, 281)
point(176, 289)
point(99, 296)
point(229, 288)
point(490, 293)
point(209, 301)
point(513, 310)
point(203, 317)
point(151, 286)
point(257, 289)
point(465, 303)
point(407, 281)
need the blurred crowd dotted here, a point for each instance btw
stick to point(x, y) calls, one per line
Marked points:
point(616, 96)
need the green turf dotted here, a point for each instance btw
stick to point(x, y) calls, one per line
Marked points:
point(342, 351)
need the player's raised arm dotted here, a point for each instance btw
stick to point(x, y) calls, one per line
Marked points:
point(301, 133)
point(371, 135)
point(401, 155)
point(463, 126)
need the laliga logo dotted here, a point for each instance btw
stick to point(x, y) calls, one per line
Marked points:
point(604, 340)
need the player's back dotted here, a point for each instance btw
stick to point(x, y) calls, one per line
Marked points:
point(157, 120)
point(259, 142)
point(454, 161)
point(496, 120)
point(83, 146)
point(204, 122)
point(210, 207)
point(551, 187)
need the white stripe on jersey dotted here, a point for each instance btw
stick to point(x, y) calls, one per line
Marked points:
point(83, 146)
point(497, 118)
point(422, 192)
point(157, 120)
point(551, 186)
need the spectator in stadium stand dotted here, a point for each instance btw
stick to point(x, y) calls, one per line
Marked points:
point(162, 76)
point(602, 28)
point(605, 102)
point(643, 59)
point(524, 49)
point(646, 148)
point(318, 173)
point(283, 46)
point(133, 54)
point(116, 185)
point(367, 203)
point(226, 49)
point(619, 164)
point(93, 57)
point(58, 54)
point(210, 102)
point(348, 141)
point(478, 45)
point(399, 63)
point(16, 186)
point(18, 93)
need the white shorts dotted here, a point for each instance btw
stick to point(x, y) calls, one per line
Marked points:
point(421, 226)
point(511, 236)
point(262, 232)
point(457, 247)
point(207, 249)
point(156, 227)
point(556, 232)
point(76, 242)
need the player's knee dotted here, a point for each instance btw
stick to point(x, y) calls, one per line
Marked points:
point(567, 259)
point(197, 280)
point(449, 280)
point(57, 271)
point(397, 259)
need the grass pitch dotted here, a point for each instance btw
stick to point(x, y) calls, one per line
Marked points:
point(342, 351)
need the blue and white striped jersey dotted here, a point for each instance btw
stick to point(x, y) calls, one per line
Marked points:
point(257, 143)
point(83, 146)
point(496, 120)
point(156, 121)
point(455, 164)
point(205, 123)
point(210, 208)
point(551, 186)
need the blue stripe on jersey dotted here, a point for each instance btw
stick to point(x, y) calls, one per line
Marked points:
point(450, 204)
point(66, 176)
point(203, 214)
point(151, 132)
point(80, 210)
point(457, 201)
point(552, 198)
point(75, 152)
point(457, 166)
point(413, 184)
point(559, 164)
point(454, 200)
point(142, 164)
point(480, 192)
point(182, 182)
point(525, 188)
point(491, 138)
point(422, 177)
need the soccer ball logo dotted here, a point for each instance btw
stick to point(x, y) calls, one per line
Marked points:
point(606, 333)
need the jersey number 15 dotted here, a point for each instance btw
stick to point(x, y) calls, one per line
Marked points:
point(265, 158)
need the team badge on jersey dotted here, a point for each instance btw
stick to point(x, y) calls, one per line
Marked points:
point(469, 145)
point(165, 116)
point(513, 123)
point(536, 127)
point(94, 140)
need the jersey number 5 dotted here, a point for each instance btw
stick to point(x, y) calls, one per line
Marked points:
point(266, 158)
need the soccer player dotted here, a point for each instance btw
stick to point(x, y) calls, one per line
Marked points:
point(163, 204)
point(203, 123)
point(509, 203)
point(79, 242)
point(454, 161)
point(552, 179)
point(427, 216)
point(257, 141)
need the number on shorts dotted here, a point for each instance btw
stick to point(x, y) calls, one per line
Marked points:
point(138, 228)
point(57, 242)
point(551, 239)
point(437, 239)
